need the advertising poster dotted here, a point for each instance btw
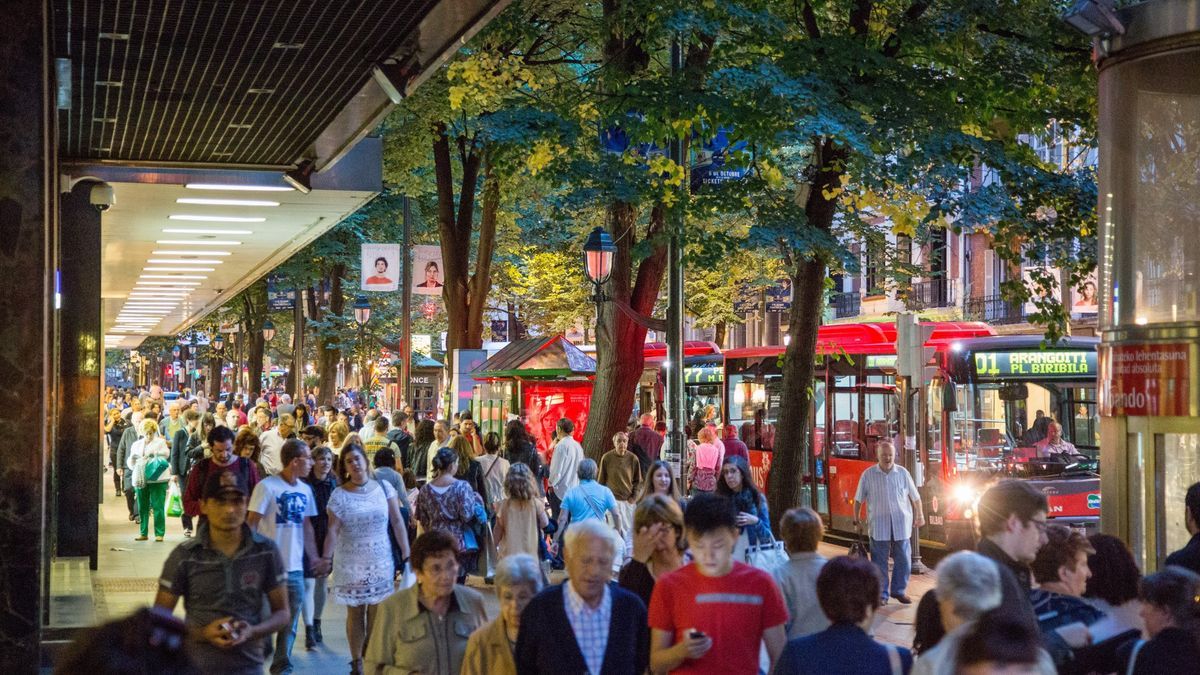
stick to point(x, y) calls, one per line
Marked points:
point(1027, 276)
point(779, 296)
point(1084, 300)
point(1146, 380)
point(381, 267)
point(279, 297)
point(427, 270)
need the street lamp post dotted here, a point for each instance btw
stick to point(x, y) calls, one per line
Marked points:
point(362, 314)
point(218, 345)
point(268, 333)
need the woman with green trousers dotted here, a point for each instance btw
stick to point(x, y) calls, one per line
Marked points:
point(149, 459)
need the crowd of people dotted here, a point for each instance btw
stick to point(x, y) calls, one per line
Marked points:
point(665, 570)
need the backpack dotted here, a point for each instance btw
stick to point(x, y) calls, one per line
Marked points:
point(403, 441)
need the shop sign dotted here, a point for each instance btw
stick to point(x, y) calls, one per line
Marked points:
point(1145, 380)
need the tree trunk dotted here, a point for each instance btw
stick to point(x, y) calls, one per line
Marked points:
point(328, 351)
point(254, 360)
point(619, 341)
point(215, 363)
point(455, 224)
point(719, 332)
point(792, 437)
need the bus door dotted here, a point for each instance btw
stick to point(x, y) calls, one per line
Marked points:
point(814, 468)
point(861, 416)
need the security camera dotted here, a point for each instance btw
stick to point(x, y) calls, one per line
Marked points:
point(102, 196)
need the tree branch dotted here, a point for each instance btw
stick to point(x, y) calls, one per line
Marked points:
point(891, 46)
point(860, 17)
point(810, 20)
point(1013, 35)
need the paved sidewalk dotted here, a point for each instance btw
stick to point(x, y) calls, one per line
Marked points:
point(127, 579)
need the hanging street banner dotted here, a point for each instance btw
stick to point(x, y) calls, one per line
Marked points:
point(779, 296)
point(381, 267)
point(427, 270)
point(745, 300)
point(711, 161)
point(279, 299)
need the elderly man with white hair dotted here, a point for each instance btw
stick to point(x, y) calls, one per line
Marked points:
point(587, 624)
point(968, 587)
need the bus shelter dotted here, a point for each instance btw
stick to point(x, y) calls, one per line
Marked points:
point(537, 380)
point(1149, 208)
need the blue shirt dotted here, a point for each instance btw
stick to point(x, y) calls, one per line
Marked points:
point(589, 500)
point(841, 649)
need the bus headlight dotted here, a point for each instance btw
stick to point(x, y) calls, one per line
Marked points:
point(965, 494)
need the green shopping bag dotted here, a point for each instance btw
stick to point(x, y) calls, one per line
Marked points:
point(174, 502)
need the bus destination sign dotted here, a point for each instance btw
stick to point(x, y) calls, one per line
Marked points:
point(1081, 364)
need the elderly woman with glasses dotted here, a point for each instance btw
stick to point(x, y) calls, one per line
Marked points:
point(490, 649)
point(424, 628)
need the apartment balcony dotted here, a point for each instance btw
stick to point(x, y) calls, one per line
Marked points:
point(846, 305)
point(930, 294)
point(993, 309)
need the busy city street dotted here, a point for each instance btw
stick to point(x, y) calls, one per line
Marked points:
point(545, 337)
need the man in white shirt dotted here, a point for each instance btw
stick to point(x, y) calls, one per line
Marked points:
point(281, 509)
point(272, 442)
point(564, 465)
point(891, 498)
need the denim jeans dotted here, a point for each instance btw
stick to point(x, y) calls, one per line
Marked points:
point(281, 664)
point(901, 553)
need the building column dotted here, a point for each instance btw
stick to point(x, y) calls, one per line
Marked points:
point(27, 212)
point(78, 448)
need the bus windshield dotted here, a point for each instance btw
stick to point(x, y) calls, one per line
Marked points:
point(1005, 421)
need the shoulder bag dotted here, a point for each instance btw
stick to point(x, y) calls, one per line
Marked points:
point(767, 555)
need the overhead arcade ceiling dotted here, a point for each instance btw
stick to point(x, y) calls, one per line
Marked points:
point(193, 110)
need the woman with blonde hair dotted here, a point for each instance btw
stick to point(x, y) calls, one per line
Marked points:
point(520, 518)
point(660, 480)
point(469, 469)
point(338, 432)
point(704, 463)
point(150, 461)
point(658, 545)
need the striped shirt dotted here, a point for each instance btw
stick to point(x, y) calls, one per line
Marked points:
point(888, 496)
point(589, 625)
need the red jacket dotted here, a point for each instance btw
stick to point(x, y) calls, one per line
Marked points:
point(198, 476)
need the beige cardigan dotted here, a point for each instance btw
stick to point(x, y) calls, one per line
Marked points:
point(407, 640)
point(488, 652)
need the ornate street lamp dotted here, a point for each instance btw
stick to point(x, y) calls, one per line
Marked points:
point(268, 330)
point(175, 352)
point(362, 310)
point(598, 254)
point(218, 343)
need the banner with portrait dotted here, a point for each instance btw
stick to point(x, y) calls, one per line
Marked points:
point(1084, 299)
point(427, 270)
point(381, 267)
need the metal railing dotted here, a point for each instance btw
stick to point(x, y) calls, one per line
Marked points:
point(994, 309)
point(929, 294)
point(846, 305)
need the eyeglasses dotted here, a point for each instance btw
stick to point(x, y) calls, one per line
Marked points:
point(1041, 524)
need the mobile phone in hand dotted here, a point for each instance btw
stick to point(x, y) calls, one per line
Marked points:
point(697, 635)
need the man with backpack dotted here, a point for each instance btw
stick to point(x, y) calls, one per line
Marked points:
point(399, 435)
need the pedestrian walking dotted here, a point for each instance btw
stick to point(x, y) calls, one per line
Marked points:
point(248, 447)
point(361, 512)
point(519, 447)
point(1012, 527)
point(564, 465)
point(703, 463)
point(425, 628)
point(150, 462)
point(660, 480)
point(753, 519)
point(658, 545)
point(1061, 572)
point(1189, 556)
point(1169, 608)
point(400, 435)
point(999, 644)
point(588, 500)
point(323, 481)
point(114, 428)
point(281, 508)
point(802, 530)
point(421, 442)
point(490, 648)
point(849, 592)
point(220, 441)
point(587, 624)
point(712, 615)
point(646, 438)
point(129, 436)
point(1113, 586)
point(893, 509)
point(187, 448)
point(521, 516)
point(272, 441)
point(494, 468)
point(447, 503)
point(469, 468)
point(621, 473)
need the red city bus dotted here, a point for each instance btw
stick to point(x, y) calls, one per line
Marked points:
point(854, 406)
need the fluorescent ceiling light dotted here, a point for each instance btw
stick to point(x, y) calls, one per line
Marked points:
point(200, 242)
point(239, 188)
point(163, 306)
point(218, 219)
point(179, 269)
point(162, 293)
point(167, 283)
point(207, 253)
point(225, 202)
point(173, 261)
point(200, 230)
point(173, 276)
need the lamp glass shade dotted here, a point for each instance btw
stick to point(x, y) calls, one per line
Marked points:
point(362, 310)
point(268, 331)
point(598, 256)
point(219, 342)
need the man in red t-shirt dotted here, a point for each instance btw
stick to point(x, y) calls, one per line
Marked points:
point(711, 615)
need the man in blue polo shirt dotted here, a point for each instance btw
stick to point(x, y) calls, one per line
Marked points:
point(223, 575)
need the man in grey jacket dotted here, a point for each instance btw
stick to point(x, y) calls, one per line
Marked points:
point(128, 438)
point(801, 530)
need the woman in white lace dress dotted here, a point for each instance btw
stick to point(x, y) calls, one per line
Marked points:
point(360, 511)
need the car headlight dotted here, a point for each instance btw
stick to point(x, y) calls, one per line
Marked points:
point(965, 494)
